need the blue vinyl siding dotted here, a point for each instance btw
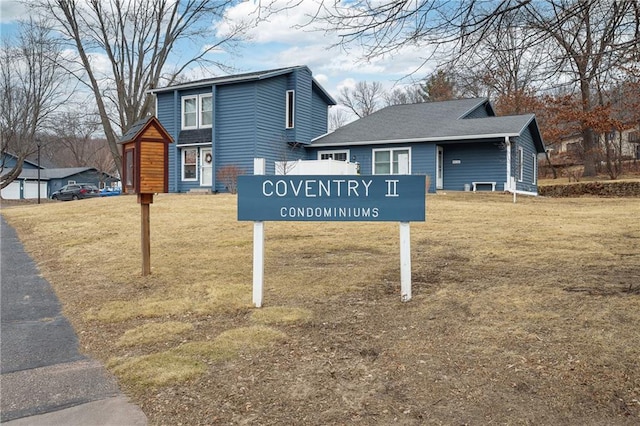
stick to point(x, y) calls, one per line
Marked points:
point(475, 162)
point(235, 127)
point(479, 162)
point(319, 115)
point(422, 158)
point(168, 113)
point(525, 141)
point(271, 135)
point(303, 86)
point(480, 112)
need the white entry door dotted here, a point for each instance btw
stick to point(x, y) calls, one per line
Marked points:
point(439, 167)
point(206, 167)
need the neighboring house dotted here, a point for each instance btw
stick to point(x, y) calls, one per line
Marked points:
point(228, 121)
point(628, 141)
point(459, 144)
point(282, 115)
point(51, 179)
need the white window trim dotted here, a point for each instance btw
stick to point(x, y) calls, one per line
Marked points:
point(182, 112)
point(520, 164)
point(391, 150)
point(182, 152)
point(290, 109)
point(336, 151)
point(535, 169)
point(199, 99)
point(202, 161)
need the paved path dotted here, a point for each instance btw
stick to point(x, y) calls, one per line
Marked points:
point(44, 380)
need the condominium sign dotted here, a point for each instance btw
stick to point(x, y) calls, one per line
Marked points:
point(396, 198)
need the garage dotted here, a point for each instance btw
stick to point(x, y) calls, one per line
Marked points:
point(12, 191)
point(31, 189)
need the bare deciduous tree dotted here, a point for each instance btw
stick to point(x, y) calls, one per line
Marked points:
point(137, 38)
point(338, 117)
point(581, 38)
point(413, 94)
point(32, 87)
point(363, 99)
point(73, 142)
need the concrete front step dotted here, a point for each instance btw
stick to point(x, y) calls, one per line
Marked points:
point(200, 191)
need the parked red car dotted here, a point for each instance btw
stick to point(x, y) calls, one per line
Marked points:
point(76, 191)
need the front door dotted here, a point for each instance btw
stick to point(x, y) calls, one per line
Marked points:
point(439, 167)
point(206, 167)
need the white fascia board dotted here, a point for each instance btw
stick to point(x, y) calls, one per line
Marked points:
point(414, 140)
point(194, 144)
point(221, 80)
point(208, 83)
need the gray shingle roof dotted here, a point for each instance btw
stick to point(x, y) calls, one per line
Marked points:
point(237, 78)
point(433, 121)
point(46, 174)
point(133, 131)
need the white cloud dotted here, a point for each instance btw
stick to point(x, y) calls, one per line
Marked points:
point(286, 38)
point(11, 11)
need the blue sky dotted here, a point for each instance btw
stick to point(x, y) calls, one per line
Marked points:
point(277, 42)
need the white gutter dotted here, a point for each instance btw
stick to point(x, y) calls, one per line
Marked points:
point(414, 140)
point(507, 143)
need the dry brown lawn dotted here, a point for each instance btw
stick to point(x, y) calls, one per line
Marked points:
point(522, 313)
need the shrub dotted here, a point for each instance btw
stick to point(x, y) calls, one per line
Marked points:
point(228, 175)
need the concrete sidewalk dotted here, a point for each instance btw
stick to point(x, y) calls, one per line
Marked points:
point(44, 379)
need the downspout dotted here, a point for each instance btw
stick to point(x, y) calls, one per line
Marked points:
point(507, 144)
point(175, 172)
point(214, 149)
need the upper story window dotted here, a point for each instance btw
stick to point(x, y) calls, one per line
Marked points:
point(197, 111)
point(206, 110)
point(290, 109)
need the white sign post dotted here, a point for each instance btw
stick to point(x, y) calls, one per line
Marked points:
point(258, 245)
point(405, 261)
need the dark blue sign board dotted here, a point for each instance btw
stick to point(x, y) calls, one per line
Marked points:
point(351, 198)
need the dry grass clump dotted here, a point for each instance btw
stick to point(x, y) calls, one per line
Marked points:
point(189, 360)
point(281, 315)
point(158, 369)
point(154, 332)
point(522, 313)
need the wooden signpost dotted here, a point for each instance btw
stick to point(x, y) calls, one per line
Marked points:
point(350, 198)
point(145, 149)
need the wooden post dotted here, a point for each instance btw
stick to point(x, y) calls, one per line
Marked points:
point(258, 245)
point(145, 236)
point(405, 261)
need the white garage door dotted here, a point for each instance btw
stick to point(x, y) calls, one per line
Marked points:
point(31, 189)
point(12, 191)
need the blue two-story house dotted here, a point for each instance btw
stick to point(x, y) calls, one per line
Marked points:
point(229, 121)
point(282, 115)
